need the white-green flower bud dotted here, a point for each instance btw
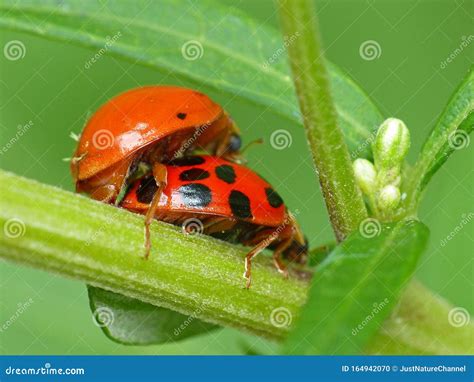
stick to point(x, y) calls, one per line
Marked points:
point(388, 198)
point(391, 144)
point(365, 175)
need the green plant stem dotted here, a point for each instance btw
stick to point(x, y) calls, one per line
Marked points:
point(330, 154)
point(420, 325)
point(98, 244)
point(102, 245)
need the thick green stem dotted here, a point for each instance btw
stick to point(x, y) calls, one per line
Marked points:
point(330, 154)
point(77, 237)
point(71, 235)
point(424, 323)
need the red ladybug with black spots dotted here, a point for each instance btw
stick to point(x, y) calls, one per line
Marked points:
point(231, 201)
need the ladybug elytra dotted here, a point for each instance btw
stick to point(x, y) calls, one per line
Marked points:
point(148, 124)
point(229, 200)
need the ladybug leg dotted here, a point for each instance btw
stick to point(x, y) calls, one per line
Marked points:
point(105, 193)
point(254, 252)
point(160, 174)
point(222, 145)
point(217, 224)
point(277, 256)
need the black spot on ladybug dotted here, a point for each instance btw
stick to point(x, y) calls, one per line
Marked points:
point(240, 204)
point(194, 174)
point(195, 195)
point(181, 115)
point(226, 173)
point(187, 161)
point(273, 198)
point(146, 190)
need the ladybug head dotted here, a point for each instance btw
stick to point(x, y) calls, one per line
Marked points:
point(234, 144)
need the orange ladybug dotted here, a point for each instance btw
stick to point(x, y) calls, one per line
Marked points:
point(222, 199)
point(141, 128)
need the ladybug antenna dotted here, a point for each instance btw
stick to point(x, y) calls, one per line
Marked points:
point(258, 141)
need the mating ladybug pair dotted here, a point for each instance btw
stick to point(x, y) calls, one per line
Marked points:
point(138, 151)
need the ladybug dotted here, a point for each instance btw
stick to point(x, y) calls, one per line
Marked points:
point(227, 200)
point(145, 126)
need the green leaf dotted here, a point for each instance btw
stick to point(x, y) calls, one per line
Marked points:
point(356, 287)
point(450, 133)
point(133, 322)
point(162, 35)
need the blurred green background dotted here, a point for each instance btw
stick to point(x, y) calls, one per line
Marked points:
point(50, 87)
